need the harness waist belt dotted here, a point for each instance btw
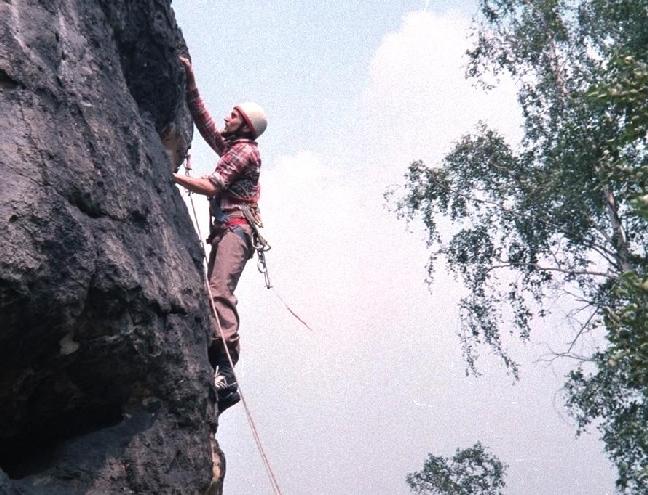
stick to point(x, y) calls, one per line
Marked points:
point(232, 221)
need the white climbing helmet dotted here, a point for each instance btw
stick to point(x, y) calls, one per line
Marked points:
point(254, 117)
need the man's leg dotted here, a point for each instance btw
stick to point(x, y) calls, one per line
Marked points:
point(230, 252)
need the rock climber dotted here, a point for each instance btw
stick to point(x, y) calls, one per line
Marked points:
point(233, 191)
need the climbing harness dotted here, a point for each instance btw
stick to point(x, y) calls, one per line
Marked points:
point(255, 433)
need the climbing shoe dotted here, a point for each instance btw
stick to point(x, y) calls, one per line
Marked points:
point(227, 393)
point(227, 400)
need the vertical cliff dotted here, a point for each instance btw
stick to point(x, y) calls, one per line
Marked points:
point(103, 322)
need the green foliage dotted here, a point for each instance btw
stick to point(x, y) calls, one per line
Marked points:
point(471, 471)
point(617, 392)
point(566, 210)
point(624, 88)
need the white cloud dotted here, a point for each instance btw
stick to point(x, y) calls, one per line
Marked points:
point(418, 101)
point(302, 197)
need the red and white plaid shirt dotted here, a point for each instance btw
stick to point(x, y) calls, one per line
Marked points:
point(237, 172)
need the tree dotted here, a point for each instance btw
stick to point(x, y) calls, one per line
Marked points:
point(615, 393)
point(565, 211)
point(471, 471)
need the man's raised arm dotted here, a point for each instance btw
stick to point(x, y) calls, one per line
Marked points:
point(205, 124)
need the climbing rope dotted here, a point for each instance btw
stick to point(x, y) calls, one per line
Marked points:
point(290, 310)
point(255, 432)
point(248, 413)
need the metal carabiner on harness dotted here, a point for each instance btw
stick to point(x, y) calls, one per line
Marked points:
point(260, 244)
point(262, 265)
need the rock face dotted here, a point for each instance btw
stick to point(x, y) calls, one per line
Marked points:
point(103, 317)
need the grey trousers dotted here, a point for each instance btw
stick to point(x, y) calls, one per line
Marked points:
point(231, 247)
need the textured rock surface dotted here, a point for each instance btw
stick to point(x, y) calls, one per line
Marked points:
point(103, 322)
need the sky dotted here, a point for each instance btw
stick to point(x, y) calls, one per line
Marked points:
point(354, 93)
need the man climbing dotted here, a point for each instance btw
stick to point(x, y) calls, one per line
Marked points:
point(233, 191)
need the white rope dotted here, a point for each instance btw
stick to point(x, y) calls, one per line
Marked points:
point(246, 407)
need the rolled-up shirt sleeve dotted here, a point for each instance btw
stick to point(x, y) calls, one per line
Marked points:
point(231, 166)
point(204, 122)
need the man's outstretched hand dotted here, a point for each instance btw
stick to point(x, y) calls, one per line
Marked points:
point(191, 80)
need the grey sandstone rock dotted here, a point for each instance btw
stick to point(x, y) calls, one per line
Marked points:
point(103, 318)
